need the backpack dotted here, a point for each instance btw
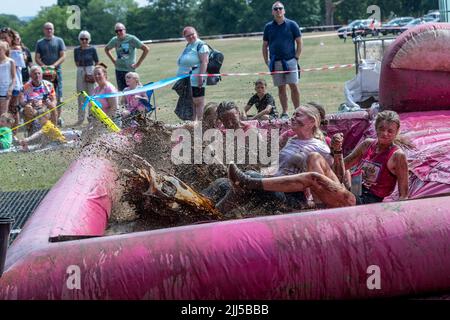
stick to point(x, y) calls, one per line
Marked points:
point(215, 62)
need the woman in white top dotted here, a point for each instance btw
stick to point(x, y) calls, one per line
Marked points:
point(195, 58)
point(7, 77)
point(304, 152)
point(18, 55)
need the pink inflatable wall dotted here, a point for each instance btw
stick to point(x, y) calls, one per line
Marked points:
point(328, 254)
point(415, 73)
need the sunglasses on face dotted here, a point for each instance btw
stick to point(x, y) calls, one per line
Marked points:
point(277, 8)
point(84, 39)
point(119, 30)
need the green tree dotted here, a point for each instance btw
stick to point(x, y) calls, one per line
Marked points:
point(260, 12)
point(54, 14)
point(162, 19)
point(222, 16)
point(12, 21)
point(80, 3)
point(304, 12)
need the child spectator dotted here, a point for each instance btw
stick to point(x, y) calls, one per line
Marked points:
point(6, 122)
point(134, 103)
point(264, 102)
point(48, 133)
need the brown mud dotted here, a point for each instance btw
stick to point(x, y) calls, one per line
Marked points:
point(154, 193)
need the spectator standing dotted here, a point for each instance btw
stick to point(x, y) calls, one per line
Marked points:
point(281, 49)
point(50, 54)
point(26, 56)
point(125, 45)
point(7, 77)
point(194, 58)
point(7, 35)
point(86, 58)
point(17, 54)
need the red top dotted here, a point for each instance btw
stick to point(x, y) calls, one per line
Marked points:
point(375, 173)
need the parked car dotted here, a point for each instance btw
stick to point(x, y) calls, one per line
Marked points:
point(418, 21)
point(393, 26)
point(361, 27)
point(356, 24)
point(435, 14)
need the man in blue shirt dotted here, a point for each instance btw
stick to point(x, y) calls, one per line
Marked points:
point(281, 49)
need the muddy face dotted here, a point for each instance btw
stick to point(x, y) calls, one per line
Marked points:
point(387, 132)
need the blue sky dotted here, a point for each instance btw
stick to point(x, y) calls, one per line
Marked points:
point(26, 8)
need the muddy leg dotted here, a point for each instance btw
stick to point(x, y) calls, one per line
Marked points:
point(331, 193)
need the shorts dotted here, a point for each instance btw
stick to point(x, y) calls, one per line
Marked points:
point(285, 78)
point(367, 197)
point(198, 92)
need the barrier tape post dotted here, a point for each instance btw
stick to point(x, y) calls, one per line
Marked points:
point(95, 105)
point(100, 114)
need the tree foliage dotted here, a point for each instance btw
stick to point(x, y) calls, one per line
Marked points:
point(9, 20)
point(167, 18)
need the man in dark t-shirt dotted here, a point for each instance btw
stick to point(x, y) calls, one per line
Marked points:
point(50, 54)
point(281, 49)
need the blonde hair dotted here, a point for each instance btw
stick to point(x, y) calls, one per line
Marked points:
point(314, 114)
point(392, 116)
point(135, 76)
point(5, 46)
point(389, 116)
point(209, 108)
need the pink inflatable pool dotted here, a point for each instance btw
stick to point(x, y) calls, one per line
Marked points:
point(380, 250)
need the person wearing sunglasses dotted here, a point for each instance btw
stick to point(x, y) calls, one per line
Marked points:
point(86, 58)
point(50, 54)
point(125, 61)
point(281, 49)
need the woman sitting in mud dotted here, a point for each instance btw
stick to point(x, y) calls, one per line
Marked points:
point(299, 155)
point(382, 164)
point(228, 113)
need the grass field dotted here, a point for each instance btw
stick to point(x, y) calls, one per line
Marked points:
point(41, 170)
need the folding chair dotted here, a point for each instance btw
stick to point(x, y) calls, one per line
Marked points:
point(148, 105)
